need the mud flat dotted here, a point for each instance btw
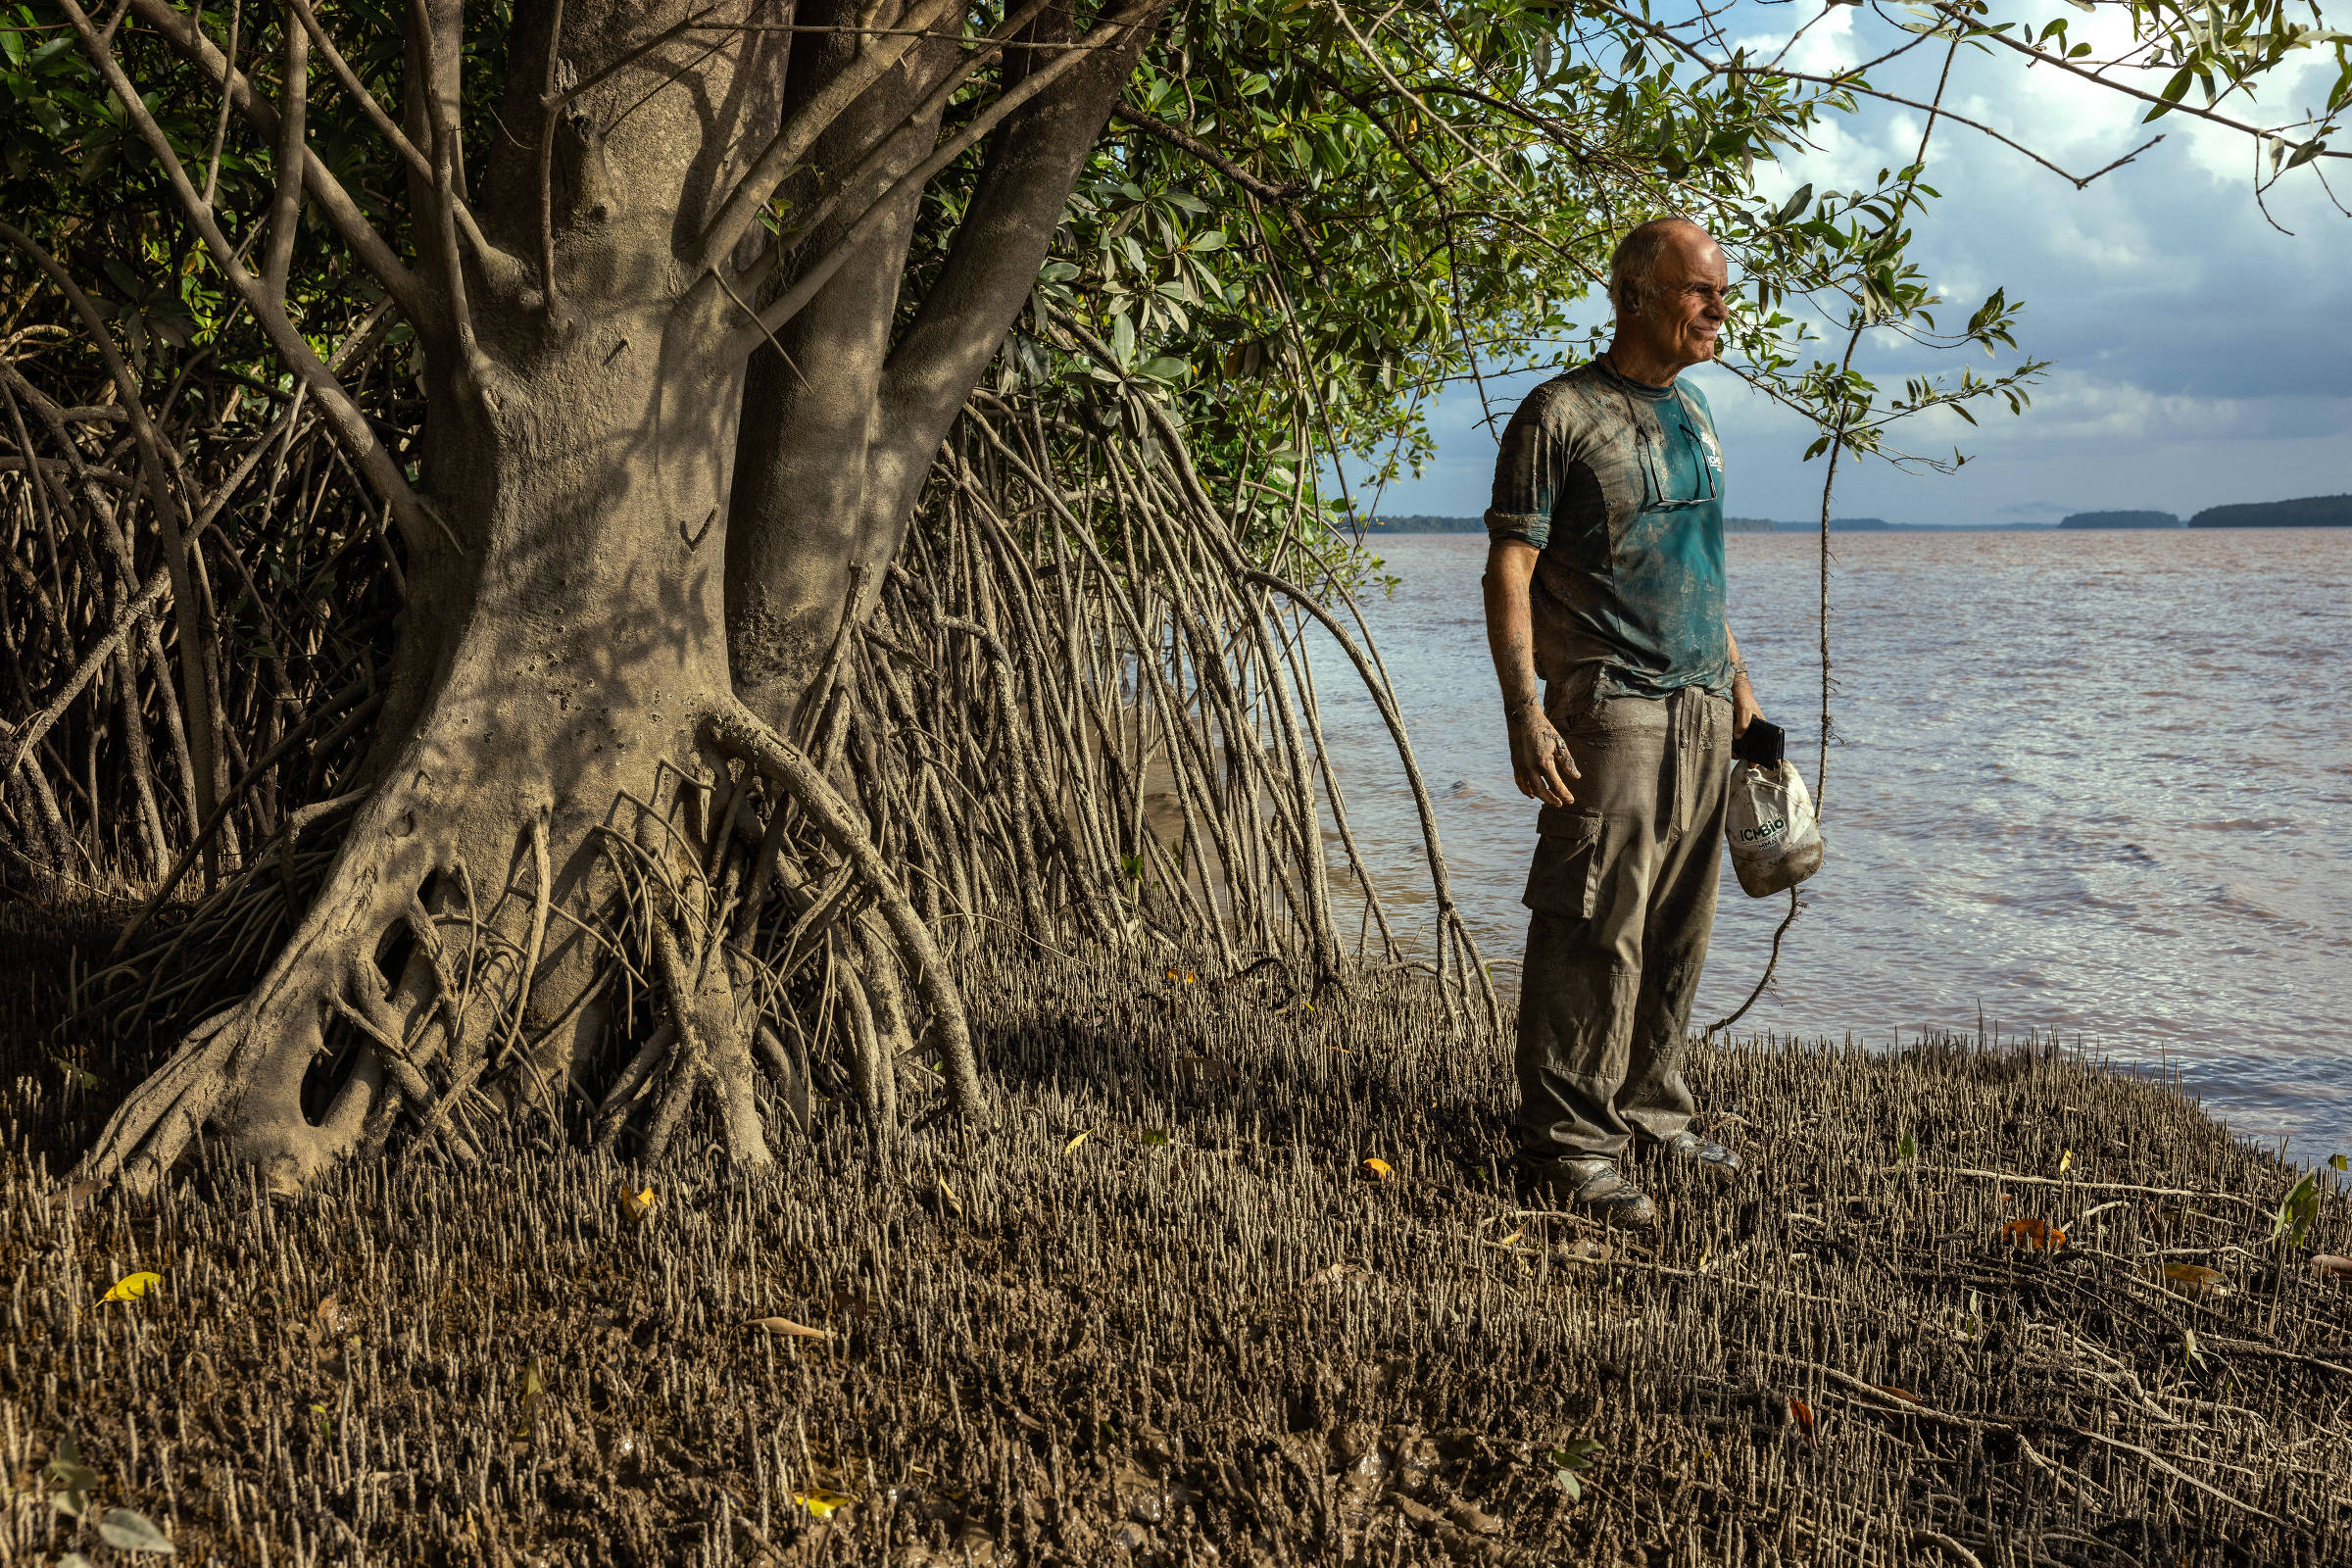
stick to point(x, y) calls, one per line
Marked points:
point(1163, 1314)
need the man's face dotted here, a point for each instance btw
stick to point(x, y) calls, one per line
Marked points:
point(1683, 305)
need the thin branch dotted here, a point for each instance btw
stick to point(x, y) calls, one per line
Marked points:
point(1281, 196)
point(741, 210)
point(547, 166)
point(343, 417)
point(350, 223)
point(286, 205)
point(813, 282)
point(358, 91)
point(2058, 63)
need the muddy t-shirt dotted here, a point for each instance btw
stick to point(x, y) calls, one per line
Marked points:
point(1620, 486)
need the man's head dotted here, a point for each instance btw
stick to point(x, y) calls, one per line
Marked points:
point(1667, 281)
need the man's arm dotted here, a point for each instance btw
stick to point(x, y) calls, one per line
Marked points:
point(1539, 760)
point(1745, 711)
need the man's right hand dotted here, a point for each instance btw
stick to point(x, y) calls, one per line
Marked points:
point(1539, 759)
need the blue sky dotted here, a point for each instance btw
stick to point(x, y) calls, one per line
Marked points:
point(2201, 356)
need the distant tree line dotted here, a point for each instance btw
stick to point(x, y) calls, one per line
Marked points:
point(2310, 511)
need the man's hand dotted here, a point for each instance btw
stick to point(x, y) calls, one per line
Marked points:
point(1745, 711)
point(1539, 759)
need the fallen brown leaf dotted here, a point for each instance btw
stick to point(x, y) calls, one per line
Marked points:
point(2033, 1232)
point(1804, 1413)
point(786, 1326)
point(2193, 1278)
point(81, 1195)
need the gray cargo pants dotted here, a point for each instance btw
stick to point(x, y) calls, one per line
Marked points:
point(1622, 890)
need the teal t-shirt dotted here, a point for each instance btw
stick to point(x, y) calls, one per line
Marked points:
point(1619, 486)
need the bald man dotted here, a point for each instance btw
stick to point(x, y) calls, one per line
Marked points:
point(1604, 580)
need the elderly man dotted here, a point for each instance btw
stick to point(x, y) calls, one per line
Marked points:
point(1604, 577)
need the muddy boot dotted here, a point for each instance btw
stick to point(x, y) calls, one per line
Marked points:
point(1593, 1187)
point(1712, 1160)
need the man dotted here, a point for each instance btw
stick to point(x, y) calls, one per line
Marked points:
point(1604, 577)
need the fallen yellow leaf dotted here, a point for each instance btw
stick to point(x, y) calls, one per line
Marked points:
point(130, 1287)
point(785, 1325)
point(2064, 1161)
point(1378, 1169)
point(1071, 1148)
point(637, 1206)
point(821, 1502)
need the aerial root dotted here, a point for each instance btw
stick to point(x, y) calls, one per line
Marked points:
point(739, 732)
point(151, 1128)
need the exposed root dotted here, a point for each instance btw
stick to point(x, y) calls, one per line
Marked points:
point(735, 729)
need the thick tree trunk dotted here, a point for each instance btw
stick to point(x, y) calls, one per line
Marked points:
point(569, 656)
point(841, 422)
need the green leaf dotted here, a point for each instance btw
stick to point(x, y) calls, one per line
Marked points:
point(126, 1530)
point(1907, 1151)
point(2296, 1211)
point(2338, 1162)
point(1122, 340)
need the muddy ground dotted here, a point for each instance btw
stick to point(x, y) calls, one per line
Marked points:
point(1163, 1314)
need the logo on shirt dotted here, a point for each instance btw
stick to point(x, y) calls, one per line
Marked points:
point(1706, 439)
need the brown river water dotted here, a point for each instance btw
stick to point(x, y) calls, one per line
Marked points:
point(2096, 784)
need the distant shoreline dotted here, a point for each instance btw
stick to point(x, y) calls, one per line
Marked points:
point(2307, 511)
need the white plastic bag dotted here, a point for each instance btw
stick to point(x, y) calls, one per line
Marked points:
point(1775, 841)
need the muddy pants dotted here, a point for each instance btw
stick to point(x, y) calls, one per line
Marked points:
point(1622, 890)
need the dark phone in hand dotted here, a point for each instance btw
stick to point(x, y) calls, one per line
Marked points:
point(1764, 744)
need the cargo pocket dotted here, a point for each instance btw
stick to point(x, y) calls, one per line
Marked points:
point(1565, 878)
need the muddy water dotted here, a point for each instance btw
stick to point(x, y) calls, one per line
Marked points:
point(2092, 783)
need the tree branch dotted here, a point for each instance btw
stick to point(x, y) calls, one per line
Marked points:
point(351, 226)
point(350, 427)
point(1976, 30)
point(800, 131)
point(998, 246)
point(286, 205)
point(1280, 196)
point(376, 114)
point(923, 118)
point(441, 39)
point(812, 281)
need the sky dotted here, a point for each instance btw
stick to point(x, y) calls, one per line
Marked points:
point(2200, 355)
